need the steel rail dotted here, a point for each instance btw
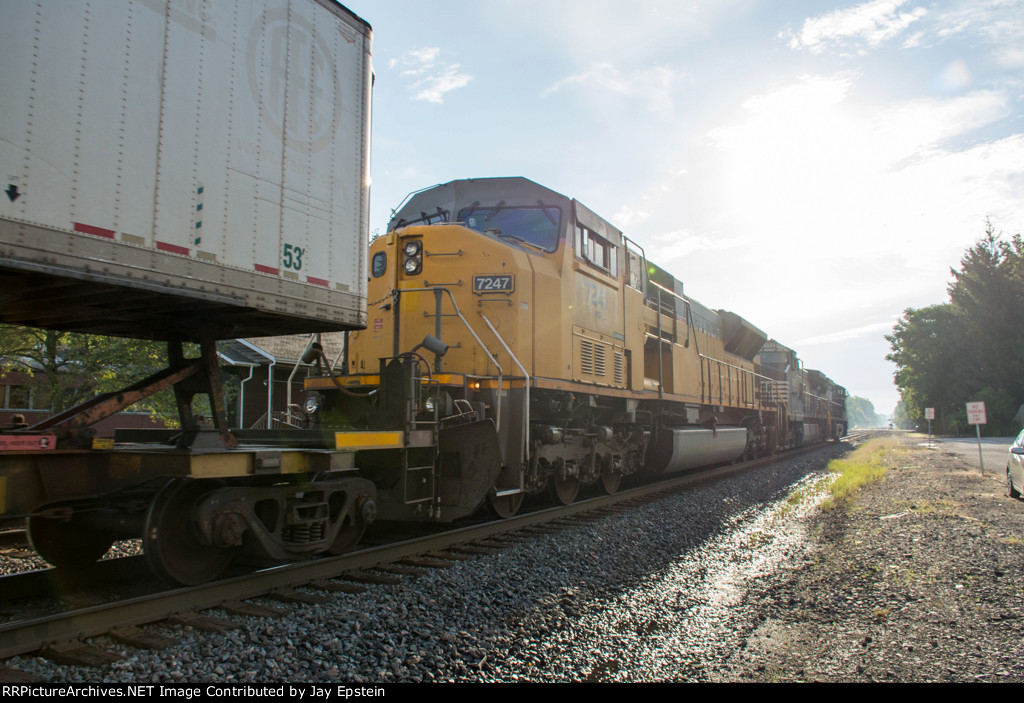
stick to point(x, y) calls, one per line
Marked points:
point(27, 636)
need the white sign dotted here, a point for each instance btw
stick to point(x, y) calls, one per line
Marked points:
point(976, 413)
point(929, 413)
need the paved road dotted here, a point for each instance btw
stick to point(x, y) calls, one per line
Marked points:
point(994, 449)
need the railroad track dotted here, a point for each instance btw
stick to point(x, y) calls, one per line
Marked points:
point(60, 635)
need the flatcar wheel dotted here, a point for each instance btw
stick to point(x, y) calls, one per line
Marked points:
point(505, 507)
point(348, 537)
point(66, 544)
point(169, 539)
point(565, 490)
point(610, 481)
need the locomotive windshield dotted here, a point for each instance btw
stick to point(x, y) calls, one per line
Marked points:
point(535, 225)
point(432, 218)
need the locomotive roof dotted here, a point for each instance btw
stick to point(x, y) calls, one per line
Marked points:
point(454, 195)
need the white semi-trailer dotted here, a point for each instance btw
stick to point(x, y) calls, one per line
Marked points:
point(183, 170)
point(179, 169)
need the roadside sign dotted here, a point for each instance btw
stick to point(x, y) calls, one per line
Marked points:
point(929, 413)
point(976, 417)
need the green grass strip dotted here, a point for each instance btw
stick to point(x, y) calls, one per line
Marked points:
point(863, 466)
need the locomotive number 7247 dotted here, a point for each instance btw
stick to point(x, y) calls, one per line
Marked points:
point(500, 284)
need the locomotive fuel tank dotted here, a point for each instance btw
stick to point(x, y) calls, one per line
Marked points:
point(678, 449)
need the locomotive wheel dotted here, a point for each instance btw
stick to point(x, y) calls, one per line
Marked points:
point(169, 539)
point(505, 506)
point(66, 544)
point(565, 490)
point(610, 481)
point(348, 537)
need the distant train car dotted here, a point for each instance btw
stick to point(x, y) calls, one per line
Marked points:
point(814, 408)
point(545, 323)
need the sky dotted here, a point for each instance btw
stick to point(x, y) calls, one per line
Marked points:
point(815, 167)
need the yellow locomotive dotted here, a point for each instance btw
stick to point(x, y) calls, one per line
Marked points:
point(553, 355)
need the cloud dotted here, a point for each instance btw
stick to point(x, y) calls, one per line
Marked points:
point(870, 330)
point(669, 247)
point(629, 216)
point(588, 31)
point(995, 26)
point(999, 24)
point(811, 138)
point(429, 77)
point(871, 22)
point(808, 187)
point(652, 84)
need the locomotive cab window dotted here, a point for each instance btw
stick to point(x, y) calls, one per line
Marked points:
point(538, 226)
point(596, 250)
point(379, 264)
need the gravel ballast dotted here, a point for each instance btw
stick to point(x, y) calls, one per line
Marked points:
point(919, 580)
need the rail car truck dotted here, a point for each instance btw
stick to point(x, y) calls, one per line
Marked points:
point(187, 172)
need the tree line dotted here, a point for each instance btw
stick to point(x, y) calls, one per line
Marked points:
point(860, 412)
point(63, 369)
point(969, 349)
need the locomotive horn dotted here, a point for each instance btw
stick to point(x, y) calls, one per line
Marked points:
point(433, 345)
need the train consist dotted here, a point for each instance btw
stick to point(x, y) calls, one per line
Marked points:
point(509, 341)
point(554, 355)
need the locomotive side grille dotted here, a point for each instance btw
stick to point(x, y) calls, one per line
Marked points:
point(599, 368)
point(620, 368)
point(592, 358)
point(586, 356)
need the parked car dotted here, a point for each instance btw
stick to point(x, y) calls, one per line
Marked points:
point(1015, 467)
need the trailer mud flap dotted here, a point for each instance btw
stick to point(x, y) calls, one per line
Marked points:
point(469, 465)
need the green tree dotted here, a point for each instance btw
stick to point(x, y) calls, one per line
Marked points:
point(901, 419)
point(69, 368)
point(925, 350)
point(987, 296)
point(860, 412)
point(971, 348)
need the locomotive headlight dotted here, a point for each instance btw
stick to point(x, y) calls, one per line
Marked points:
point(413, 251)
point(428, 404)
point(313, 403)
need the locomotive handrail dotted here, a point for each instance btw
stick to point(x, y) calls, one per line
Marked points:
point(526, 415)
point(670, 292)
point(740, 368)
point(295, 370)
point(434, 289)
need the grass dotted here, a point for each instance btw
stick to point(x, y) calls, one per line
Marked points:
point(863, 466)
